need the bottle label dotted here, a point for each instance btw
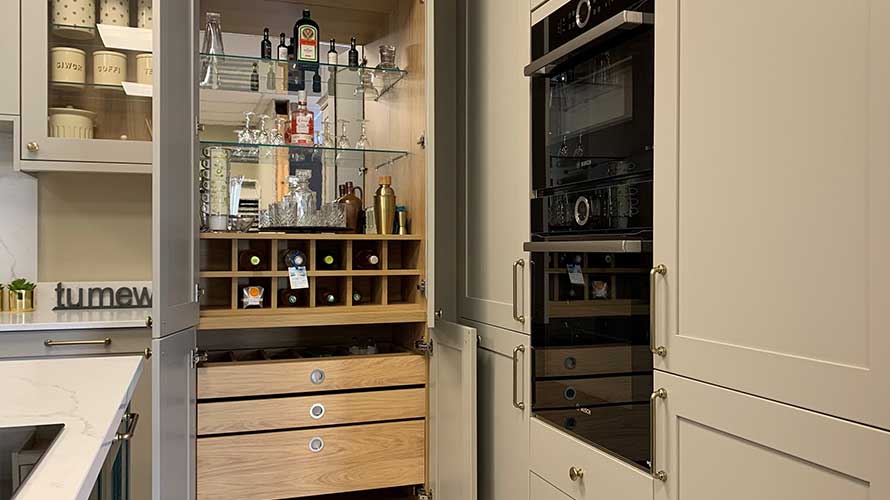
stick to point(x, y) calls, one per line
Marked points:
point(308, 44)
point(298, 277)
point(303, 130)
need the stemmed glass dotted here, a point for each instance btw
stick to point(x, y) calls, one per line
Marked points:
point(363, 142)
point(327, 134)
point(246, 134)
point(343, 140)
point(277, 135)
point(366, 87)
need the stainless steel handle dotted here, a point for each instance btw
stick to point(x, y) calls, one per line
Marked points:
point(518, 403)
point(575, 473)
point(660, 350)
point(624, 20)
point(33, 147)
point(58, 343)
point(517, 315)
point(607, 246)
point(659, 394)
point(131, 419)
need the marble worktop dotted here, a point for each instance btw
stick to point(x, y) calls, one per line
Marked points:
point(89, 395)
point(47, 319)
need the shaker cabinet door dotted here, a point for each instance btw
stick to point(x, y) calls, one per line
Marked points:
point(495, 188)
point(772, 216)
point(9, 59)
point(175, 200)
point(714, 443)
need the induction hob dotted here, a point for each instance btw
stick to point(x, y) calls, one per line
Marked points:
point(21, 449)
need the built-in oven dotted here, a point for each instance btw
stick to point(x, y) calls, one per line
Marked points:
point(591, 249)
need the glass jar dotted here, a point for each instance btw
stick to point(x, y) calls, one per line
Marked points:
point(218, 183)
point(302, 198)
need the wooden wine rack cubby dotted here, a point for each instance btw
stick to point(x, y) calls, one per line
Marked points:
point(389, 293)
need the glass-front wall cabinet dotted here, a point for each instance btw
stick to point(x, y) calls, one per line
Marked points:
point(87, 81)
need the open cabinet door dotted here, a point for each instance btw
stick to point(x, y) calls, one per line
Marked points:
point(174, 172)
point(452, 426)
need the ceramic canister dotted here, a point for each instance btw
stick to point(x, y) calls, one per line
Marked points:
point(71, 123)
point(116, 12)
point(74, 18)
point(143, 68)
point(68, 65)
point(109, 68)
point(144, 18)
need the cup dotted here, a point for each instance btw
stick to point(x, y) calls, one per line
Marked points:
point(109, 68)
point(68, 65)
point(144, 68)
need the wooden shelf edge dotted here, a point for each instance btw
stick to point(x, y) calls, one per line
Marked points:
point(321, 274)
point(318, 316)
point(311, 236)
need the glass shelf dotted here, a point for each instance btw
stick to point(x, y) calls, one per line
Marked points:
point(114, 91)
point(235, 73)
point(348, 157)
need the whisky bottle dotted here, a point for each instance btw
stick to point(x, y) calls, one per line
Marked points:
point(266, 45)
point(353, 55)
point(332, 69)
point(254, 79)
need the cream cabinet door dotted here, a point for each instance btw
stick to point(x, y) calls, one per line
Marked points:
point(495, 188)
point(9, 58)
point(542, 490)
point(771, 211)
point(503, 404)
point(716, 443)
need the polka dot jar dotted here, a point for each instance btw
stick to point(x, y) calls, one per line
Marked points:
point(144, 20)
point(116, 12)
point(74, 18)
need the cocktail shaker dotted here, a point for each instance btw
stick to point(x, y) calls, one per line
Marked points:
point(385, 205)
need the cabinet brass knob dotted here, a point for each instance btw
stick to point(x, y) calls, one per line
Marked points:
point(575, 474)
point(33, 147)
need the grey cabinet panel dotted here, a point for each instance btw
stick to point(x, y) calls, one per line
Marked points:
point(9, 58)
point(174, 172)
point(173, 424)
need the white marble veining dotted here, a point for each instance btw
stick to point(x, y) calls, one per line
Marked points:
point(89, 395)
point(44, 319)
point(18, 224)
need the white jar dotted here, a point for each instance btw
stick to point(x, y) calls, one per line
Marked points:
point(116, 12)
point(144, 19)
point(144, 68)
point(68, 65)
point(71, 123)
point(74, 18)
point(109, 68)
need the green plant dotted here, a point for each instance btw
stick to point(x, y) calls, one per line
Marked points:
point(21, 284)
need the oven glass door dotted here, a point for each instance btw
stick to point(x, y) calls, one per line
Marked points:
point(590, 332)
point(593, 116)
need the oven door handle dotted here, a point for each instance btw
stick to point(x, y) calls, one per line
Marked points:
point(623, 21)
point(588, 246)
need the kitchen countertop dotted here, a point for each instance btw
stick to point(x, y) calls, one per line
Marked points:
point(73, 319)
point(89, 395)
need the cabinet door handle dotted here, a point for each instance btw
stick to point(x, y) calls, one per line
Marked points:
point(659, 394)
point(131, 419)
point(58, 343)
point(518, 403)
point(33, 147)
point(660, 350)
point(576, 473)
point(517, 315)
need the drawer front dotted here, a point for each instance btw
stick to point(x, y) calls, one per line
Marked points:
point(282, 465)
point(231, 380)
point(593, 360)
point(310, 411)
point(31, 344)
point(542, 490)
point(553, 453)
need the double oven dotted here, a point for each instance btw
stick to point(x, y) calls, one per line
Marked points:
point(592, 80)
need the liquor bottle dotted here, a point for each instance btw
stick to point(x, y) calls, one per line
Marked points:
point(332, 69)
point(291, 67)
point(326, 297)
point(282, 47)
point(366, 259)
point(306, 35)
point(266, 45)
point(271, 77)
point(302, 123)
point(328, 260)
point(254, 79)
point(293, 258)
point(251, 260)
point(356, 297)
point(353, 55)
point(288, 298)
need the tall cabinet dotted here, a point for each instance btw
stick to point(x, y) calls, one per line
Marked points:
point(434, 360)
point(771, 219)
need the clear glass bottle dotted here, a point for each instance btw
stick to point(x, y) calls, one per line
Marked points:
point(302, 197)
point(212, 47)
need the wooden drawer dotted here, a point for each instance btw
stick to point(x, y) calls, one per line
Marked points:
point(542, 490)
point(592, 360)
point(555, 452)
point(561, 393)
point(31, 344)
point(256, 378)
point(310, 411)
point(282, 465)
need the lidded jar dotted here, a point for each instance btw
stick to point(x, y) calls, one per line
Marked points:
point(301, 197)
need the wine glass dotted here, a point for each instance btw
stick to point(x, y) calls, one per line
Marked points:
point(343, 140)
point(327, 135)
point(363, 142)
point(246, 134)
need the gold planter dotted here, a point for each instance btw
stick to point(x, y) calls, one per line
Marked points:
point(20, 300)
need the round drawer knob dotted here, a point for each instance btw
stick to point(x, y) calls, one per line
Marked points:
point(33, 147)
point(317, 376)
point(575, 474)
point(316, 411)
point(316, 444)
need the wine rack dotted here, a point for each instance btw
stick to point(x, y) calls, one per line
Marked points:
point(385, 292)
